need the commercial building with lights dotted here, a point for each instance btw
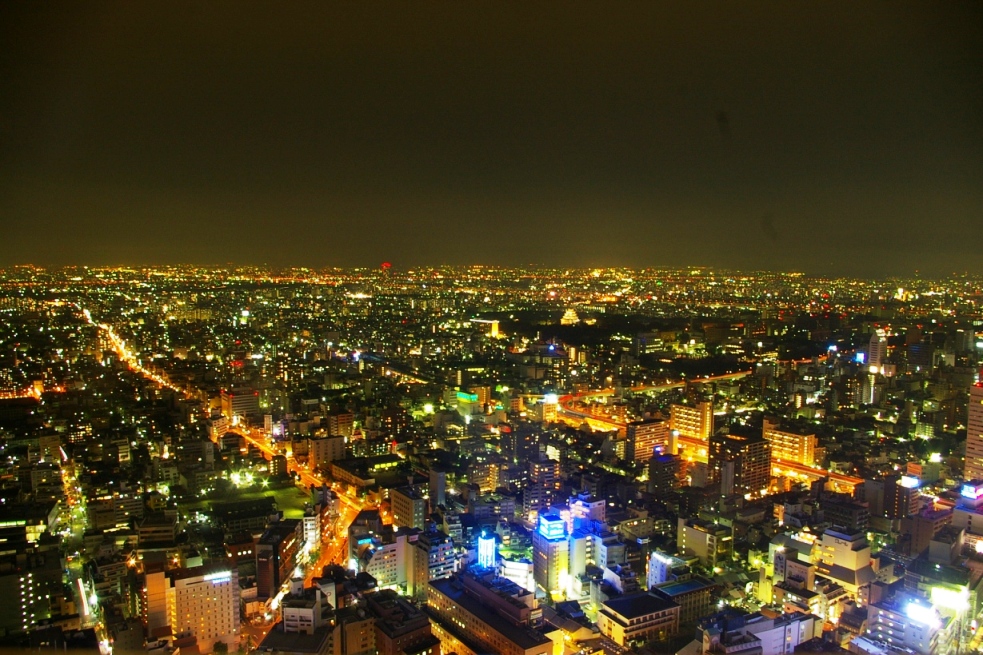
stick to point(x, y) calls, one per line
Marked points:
point(643, 437)
point(241, 402)
point(409, 508)
point(907, 622)
point(967, 515)
point(708, 541)
point(487, 550)
point(844, 558)
point(485, 615)
point(790, 445)
point(638, 618)
point(663, 568)
point(551, 553)
point(740, 463)
point(434, 558)
point(201, 601)
point(974, 434)
point(692, 421)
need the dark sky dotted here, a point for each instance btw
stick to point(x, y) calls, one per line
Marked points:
point(831, 138)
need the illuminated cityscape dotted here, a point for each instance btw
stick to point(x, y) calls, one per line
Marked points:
point(525, 460)
point(534, 328)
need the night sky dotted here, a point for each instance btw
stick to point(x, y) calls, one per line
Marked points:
point(821, 137)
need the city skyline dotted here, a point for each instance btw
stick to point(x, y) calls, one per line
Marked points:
point(841, 141)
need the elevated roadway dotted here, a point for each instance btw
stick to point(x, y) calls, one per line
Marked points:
point(691, 448)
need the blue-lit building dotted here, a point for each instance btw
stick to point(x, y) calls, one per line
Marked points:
point(551, 553)
point(487, 550)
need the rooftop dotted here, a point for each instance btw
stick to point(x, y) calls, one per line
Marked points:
point(525, 638)
point(635, 606)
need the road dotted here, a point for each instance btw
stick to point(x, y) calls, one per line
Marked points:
point(333, 552)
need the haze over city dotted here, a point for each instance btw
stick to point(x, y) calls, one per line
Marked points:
point(836, 138)
point(525, 329)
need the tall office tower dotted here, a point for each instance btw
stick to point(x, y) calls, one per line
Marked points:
point(409, 508)
point(974, 434)
point(789, 445)
point(544, 482)
point(877, 350)
point(550, 553)
point(740, 463)
point(693, 421)
point(643, 437)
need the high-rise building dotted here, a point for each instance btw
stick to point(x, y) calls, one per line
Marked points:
point(321, 451)
point(902, 498)
point(240, 402)
point(433, 559)
point(201, 601)
point(550, 553)
point(663, 474)
point(741, 464)
point(709, 541)
point(877, 350)
point(276, 555)
point(341, 423)
point(643, 437)
point(908, 623)
point(693, 421)
point(842, 511)
point(544, 482)
point(974, 434)
point(585, 510)
point(923, 526)
point(789, 445)
point(437, 487)
point(409, 508)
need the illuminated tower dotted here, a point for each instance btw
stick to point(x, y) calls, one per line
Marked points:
point(551, 553)
point(974, 434)
point(487, 551)
point(694, 422)
point(877, 350)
